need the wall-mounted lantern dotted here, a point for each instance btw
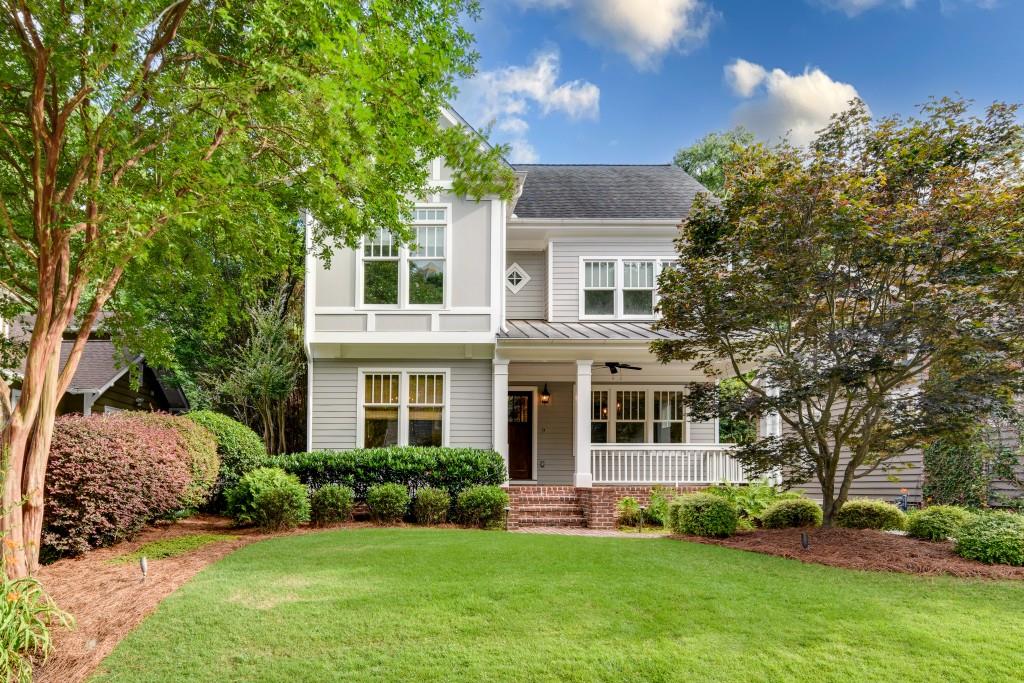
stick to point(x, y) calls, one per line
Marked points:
point(545, 395)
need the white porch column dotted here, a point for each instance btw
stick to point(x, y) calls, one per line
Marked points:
point(500, 416)
point(583, 476)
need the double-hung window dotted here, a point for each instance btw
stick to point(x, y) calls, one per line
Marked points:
point(408, 276)
point(403, 408)
point(619, 288)
point(638, 415)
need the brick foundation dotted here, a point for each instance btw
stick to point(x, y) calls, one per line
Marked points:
point(568, 506)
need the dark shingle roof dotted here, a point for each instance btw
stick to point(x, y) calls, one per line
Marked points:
point(606, 191)
point(100, 364)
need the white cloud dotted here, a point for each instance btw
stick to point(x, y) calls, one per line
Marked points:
point(642, 30)
point(782, 104)
point(506, 96)
point(744, 77)
point(852, 8)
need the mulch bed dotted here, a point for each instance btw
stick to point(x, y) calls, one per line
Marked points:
point(109, 599)
point(865, 549)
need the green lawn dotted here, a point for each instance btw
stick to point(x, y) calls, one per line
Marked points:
point(442, 605)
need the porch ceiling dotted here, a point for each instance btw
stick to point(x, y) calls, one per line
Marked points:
point(581, 331)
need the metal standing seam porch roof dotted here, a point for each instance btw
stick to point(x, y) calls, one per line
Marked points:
point(582, 331)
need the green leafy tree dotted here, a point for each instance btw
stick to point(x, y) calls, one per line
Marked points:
point(129, 128)
point(843, 275)
point(707, 159)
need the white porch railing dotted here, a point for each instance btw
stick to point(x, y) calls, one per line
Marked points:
point(664, 464)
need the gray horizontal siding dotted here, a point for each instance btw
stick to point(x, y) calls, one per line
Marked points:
point(530, 302)
point(556, 459)
point(565, 267)
point(333, 400)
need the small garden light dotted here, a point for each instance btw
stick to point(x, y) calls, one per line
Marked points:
point(805, 540)
point(508, 509)
point(144, 567)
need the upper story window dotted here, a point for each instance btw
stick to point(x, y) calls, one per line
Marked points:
point(619, 288)
point(408, 276)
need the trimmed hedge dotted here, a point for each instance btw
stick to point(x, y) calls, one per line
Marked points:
point(388, 503)
point(993, 538)
point(201, 446)
point(107, 477)
point(431, 505)
point(796, 512)
point(269, 498)
point(482, 506)
point(452, 469)
point(937, 522)
point(870, 514)
point(240, 449)
point(704, 514)
point(331, 504)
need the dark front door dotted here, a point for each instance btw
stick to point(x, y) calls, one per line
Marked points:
point(520, 435)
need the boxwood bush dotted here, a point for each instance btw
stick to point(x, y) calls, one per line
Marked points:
point(451, 469)
point(240, 449)
point(107, 477)
point(269, 498)
point(937, 522)
point(796, 512)
point(431, 505)
point(331, 504)
point(388, 503)
point(703, 514)
point(482, 506)
point(870, 514)
point(993, 538)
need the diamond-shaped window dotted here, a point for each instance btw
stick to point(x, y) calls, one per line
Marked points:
point(516, 278)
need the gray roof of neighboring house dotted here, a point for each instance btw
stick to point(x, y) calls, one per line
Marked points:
point(582, 331)
point(101, 363)
point(606, 191)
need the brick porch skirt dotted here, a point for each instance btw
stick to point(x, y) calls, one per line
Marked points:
point(568, 506)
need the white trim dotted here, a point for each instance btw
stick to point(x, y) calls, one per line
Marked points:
point(412, 337)
point(497, 244)
point(403, 401)
point(535, 415)
point(582, 475)
point(516, 268)
point(309, 320)
point(499, 409)
point(351, 310)
point(551, 267)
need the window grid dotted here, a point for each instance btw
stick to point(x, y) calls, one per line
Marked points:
point(599, 275)
point(426, 389)
point(381, 389)
point(633, 283)
point(403, 408)
point(429, 242)
point(424, 261)
point(380, 246)
point(638, 275)
point(668, 408)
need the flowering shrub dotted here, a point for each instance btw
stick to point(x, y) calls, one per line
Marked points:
point(200, 446)
point(107, 477)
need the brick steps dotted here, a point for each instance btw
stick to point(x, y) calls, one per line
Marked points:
point(535, 506)
point(573, 522)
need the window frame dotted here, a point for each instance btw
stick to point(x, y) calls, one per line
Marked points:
point(617, 299)
point(516, 268)
point(403, 401)
point(405, 258)
point(649, 421)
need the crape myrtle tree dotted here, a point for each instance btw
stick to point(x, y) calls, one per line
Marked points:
point(872, 282)
point(130, 126)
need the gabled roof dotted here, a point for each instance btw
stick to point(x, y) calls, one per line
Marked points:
point(606, 191)
point(100, 366)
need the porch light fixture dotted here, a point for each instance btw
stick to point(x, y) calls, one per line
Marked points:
point(545, 395)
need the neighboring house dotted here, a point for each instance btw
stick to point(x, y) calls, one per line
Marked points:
point(103, 381)
point(521, 326)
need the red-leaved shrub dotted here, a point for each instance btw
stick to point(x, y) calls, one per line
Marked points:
point(108, 476)
point(201, 446)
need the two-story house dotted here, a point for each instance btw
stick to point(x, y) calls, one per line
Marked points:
point(520, 326)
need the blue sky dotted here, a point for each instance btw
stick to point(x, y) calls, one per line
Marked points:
point(631, 81)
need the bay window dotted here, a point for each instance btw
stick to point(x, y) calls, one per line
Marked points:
point(403, 408)
point(408, 276)
point(638, 415)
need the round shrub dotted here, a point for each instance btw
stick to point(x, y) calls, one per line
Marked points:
point(993, 538)
point(201, 446)
point(870, 514)
point(387, 502)
point(703, 514)
point(107, 477)
point(786, 514)
point(269, 498)
point(628, 511)
point(431, 505)
point(240, 449)
point(937, 522)
point(331, 504)
point(482, 506)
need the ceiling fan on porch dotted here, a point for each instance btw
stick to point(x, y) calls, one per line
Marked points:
point(615, 367)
